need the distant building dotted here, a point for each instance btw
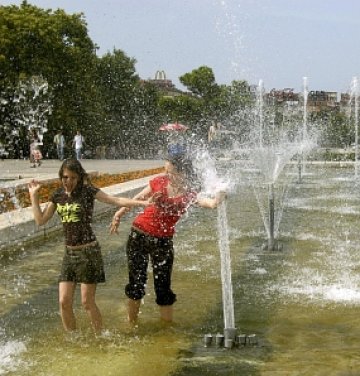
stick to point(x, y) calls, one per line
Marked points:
point(286, 95)
point(322, 100)
point(316, 100)
point(164, 85)
point(344, 101)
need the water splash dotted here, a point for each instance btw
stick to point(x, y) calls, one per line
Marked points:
point(212, 183)
point(227, 292)
point(354, 104)
point(260, 111)
point(10, 360)
point(205, 167)
point(30, 104)
point(305, 100)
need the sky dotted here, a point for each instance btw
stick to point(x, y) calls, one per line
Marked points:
point(276, 41)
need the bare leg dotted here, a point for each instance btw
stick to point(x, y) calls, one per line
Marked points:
point(88, 302)
point(166, 313)
point(66, 297)
point(133, 310)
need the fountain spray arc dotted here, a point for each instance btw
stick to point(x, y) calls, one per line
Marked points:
point(273, 150)
point(271, 161)
point(354, 103)
point(301, 161)
point(29, 104)
point(260, 111)
point(271, 196)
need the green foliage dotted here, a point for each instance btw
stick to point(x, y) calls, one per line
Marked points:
point(182, 108)
point(117, 80)
point(105, 98)
point(208, 100)
point(129, 106)
point(201, 82)
point(34, 41)
point(337, 129)
point(54, 45)
point(101, 96)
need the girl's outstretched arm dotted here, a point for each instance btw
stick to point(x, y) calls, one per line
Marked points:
point(211, 203)
point(114, 225)
point(121, 201)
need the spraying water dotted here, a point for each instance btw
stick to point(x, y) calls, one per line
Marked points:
point(271, 161)
point(225, 257)
point(212, 184)
point(301, 164)
point(305, 96)
point(9, 356)
point(31, 102)
point(260, 110)
point(276, 149)
point(354, 97)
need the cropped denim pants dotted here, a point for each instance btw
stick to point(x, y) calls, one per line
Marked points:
point(139, 250)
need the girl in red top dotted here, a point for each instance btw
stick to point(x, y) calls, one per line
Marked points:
point(152, 233)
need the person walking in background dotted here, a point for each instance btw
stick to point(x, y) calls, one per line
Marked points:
point(212, 132)
point(82, 262)
point(59, 141)
point(152, 231)
point(35, 152)
point(37, 155)
point(78, 144)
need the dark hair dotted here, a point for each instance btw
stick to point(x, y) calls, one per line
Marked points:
point(183, 165)
point(74, 166)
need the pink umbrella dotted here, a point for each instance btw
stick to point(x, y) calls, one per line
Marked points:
point(173, 127)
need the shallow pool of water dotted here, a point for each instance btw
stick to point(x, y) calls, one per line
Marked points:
point(302, 302)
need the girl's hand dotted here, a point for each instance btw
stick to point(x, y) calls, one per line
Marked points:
point(114, 225)
point(220, 196)
point(34, 187)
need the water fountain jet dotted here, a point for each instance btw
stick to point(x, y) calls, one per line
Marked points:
point(354, 98)
point(276, 149)
point(305, 126)
point(211, 183)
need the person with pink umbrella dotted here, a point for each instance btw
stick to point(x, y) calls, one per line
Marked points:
point(176, 142)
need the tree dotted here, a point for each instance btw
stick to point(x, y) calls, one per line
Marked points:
point(181, 108)
point(214, 102)
point(337, 130)
point(130, 106)
point(55, 46)
point(201, 82)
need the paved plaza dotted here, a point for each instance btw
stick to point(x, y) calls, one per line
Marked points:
point(13, 170)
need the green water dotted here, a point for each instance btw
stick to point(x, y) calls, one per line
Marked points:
point(302, 302)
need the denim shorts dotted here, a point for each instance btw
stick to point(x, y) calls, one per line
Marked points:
point(83, 265)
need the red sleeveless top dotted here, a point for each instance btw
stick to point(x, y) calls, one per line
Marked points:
point(159, 219)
